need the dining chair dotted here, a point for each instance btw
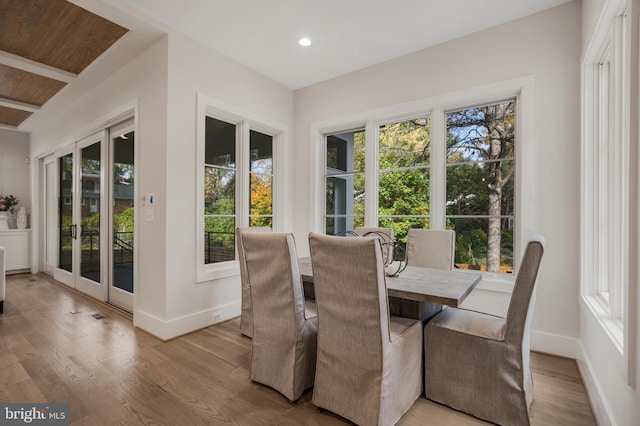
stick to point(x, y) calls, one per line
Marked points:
point(386, 237)
point(369, 367)
point(283, 349)
point(428, 248)
point(479, 363)
point(246, 316)
point(431, 248)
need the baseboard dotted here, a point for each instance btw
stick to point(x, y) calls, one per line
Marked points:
point(594, 392)
point(170, 329)
point(569, 347)
point(554, 344)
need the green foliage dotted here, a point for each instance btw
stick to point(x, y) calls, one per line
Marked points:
point(480, 179)
point(123, 222)
point(91, 223)
point(404, 157)
point(220, 230)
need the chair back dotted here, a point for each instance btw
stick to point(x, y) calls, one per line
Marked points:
point(386, 238)
point(246, 319)
point(240, 246)
point(283, 349)
point(523, 296)
point(350, 290)
point(276, 284)
point(431, 248)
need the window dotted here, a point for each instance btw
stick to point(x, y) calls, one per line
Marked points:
point(220, 170)
point(605, 176)
point(344, 182)
point(463, 178)
point(261, 179)
point(480, 185)
point(219, 190)
point(403, 179)
point(237, 154)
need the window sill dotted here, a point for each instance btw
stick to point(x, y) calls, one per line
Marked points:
point(613, 327)
point(218, 271)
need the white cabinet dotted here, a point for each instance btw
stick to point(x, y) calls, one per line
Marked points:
point(17, 243)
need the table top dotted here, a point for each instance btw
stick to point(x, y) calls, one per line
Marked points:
point(421, 284)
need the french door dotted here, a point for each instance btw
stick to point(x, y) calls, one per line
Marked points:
point(81, 214)
point(89, 213)
point(121, 215)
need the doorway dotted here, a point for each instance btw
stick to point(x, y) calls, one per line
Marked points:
point(88, 235)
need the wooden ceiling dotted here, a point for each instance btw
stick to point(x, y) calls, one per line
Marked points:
point(45, 45)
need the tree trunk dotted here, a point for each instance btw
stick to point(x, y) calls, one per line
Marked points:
point(495, 115)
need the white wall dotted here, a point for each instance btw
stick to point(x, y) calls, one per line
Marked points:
point(547, 46)
point(193, 69)
point(14, 169)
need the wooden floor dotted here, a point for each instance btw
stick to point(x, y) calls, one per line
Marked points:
point(55, 347)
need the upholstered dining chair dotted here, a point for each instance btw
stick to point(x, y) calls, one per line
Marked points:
point(480, 363)
point(431, 248)
point(369, 367)
point(246, 316)
point(283, 349)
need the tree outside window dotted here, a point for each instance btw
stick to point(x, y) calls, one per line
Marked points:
point(480, 173)
point(480, 185)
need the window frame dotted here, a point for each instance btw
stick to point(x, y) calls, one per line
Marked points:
point(605, 176)
point(522, 89)
point(244, 121)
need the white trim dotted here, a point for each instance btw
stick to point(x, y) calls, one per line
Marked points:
point(601, 410)
point(605, 191)
point(245, 121)
point(34, 67)
point(371, 168)
point(170, 329)
point(568, 347)
point(521, 88)
point(96, 289)
point(117, 296)
point(595, 391)
point(438, 187)
point(23, 106)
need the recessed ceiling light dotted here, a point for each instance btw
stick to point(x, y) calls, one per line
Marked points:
point(304, 42)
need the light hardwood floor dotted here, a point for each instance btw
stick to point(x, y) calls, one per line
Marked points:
point(54, 349)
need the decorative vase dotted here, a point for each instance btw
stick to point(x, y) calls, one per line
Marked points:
point(21, 218)
point(4, 220)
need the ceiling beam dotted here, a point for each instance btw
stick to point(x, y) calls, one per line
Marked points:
point(9, 103)
point(15, 61)
point(7, 127)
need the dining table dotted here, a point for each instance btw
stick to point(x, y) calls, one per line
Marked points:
point(416, 292)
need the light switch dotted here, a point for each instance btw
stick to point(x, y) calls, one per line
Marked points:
point(149, 215)
point(147, 199)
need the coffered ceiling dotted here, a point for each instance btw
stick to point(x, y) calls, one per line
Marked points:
point(44, 46)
